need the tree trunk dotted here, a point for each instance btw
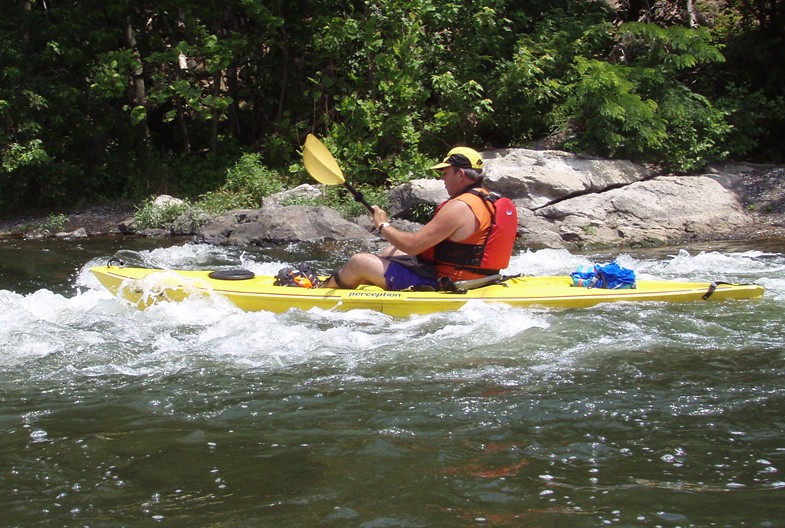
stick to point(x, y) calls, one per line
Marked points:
point(692, 16)
point(216, 113)
point(185, 140)
point(232, 89)
point(139, 99)
point(26, 9)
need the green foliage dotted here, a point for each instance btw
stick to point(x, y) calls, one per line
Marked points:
point(53, 224)
point(16, 156)
point(349, 208)
point(673, 49)
point(169, 94)
point(339, 199)
point(422, 213)
point(111, 73)
point(527, 88)
point(605, 115)
point(160, 216)
point(192, 175)
point(640, 107)
point(250, 176)
point(177, 216)
point(751, 115)
point(697, 131)
point(222, 200)
point(381, 93)
point(248, 182)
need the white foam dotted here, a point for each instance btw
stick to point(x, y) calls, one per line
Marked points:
point(91, 333)
point(712, 265)
point(545, 262)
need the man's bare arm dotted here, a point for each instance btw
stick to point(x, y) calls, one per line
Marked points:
point(453, 220)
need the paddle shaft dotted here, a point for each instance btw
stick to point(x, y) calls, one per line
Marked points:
point(358, 196)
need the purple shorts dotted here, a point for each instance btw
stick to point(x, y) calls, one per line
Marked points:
point(399, 277)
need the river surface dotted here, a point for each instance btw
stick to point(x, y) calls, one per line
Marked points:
point(197, 414)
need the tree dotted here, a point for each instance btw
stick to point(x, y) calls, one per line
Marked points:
point(134, 97)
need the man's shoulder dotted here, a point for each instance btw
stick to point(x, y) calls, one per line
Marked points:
point(456, 205)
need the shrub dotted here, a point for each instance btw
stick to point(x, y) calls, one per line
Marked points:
point(152, 215)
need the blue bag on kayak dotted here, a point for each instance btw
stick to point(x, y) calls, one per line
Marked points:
point(611, 277)
point(585, 277)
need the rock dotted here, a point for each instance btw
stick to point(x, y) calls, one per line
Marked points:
point(563, 200)
point(189, 221)
point(278, 224)
point(405, 198)
point(537, 231)
point(164, 201)
point(567, 200)
point(76, 233)
point(155, 232)
point(127, 226)
point(535, 178)
point(664, 209)
point(301, 192)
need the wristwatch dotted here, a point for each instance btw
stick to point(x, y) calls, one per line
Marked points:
point(382, 226)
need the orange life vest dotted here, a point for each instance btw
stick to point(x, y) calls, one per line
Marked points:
point(487, 250)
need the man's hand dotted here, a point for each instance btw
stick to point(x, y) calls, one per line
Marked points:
point(379, 216)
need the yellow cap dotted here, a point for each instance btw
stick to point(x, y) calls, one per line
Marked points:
point(461, 157)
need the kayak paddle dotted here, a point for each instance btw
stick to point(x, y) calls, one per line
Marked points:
point(323, 168)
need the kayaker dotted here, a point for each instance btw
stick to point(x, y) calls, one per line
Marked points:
point(471, 235)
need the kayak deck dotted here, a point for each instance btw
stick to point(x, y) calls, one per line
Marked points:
point(144, 287)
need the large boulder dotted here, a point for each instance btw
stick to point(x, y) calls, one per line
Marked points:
point(664, 209)
point(405, 198)
point(535, 178)
point(278, 224)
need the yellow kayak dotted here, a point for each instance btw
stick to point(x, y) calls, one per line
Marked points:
point(144, 286)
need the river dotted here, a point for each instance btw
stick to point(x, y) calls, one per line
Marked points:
point(197, 414)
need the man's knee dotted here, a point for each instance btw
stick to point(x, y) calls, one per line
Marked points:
point(363, 268)
point(361, 261)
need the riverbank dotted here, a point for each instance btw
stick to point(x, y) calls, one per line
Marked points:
point(86, 221)
point(760, 192)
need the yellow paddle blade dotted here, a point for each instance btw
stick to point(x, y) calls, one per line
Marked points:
point(320, 164)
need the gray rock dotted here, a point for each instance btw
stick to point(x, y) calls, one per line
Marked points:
point(665, 209)
point(80, 232)
point(537, 178)
point(405, 198)
point(278, 224)
point(301, 192)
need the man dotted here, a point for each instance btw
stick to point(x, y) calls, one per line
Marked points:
point(466, 238)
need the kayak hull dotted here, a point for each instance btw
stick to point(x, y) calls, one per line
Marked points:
point(143, 287)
